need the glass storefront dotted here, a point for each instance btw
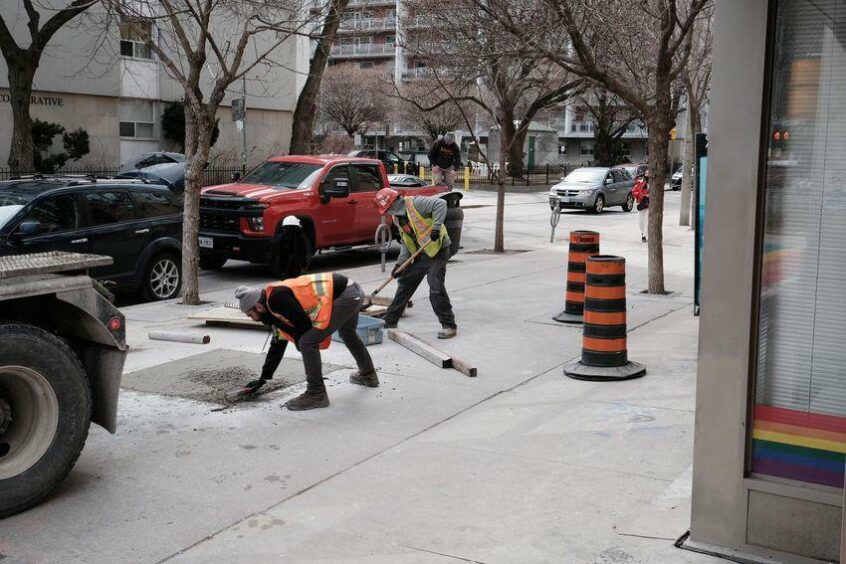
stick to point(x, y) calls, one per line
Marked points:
point(799, 423)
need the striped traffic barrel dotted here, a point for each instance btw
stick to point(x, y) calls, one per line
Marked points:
point(583, 244)
point(604, 331)
point(604, 345)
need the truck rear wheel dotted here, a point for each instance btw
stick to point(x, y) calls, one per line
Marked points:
point(45, 412)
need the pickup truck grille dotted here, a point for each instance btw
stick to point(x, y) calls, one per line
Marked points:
point(218, 221)
point(224, 213)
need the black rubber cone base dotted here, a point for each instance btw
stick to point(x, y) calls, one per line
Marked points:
point(565, 317)
point(628, 371)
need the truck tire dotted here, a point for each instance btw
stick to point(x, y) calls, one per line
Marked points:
point(45, 412)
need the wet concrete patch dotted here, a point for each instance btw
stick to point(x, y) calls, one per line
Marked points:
point(205, 377)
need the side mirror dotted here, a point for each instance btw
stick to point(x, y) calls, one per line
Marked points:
point(28, 228)
point(236, 177)
point(339, 189)
point(609, 180)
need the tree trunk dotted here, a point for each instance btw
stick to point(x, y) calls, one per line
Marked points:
point(515, 154)
point(198, 133)
point(687, 171)
point(305, 113)
point(499, 232)
point(659, 131)
point(20, 93)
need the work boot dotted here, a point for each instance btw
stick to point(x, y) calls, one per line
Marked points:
point(308, 400)
point(369, 378)
point(447, 332)
point(390, 325)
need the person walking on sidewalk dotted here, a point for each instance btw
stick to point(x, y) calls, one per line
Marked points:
point(306, 311)
point(445, 156)
point(640, 191)
point(418, 218)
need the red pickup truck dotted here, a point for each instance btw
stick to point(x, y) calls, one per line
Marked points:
point(332, 195)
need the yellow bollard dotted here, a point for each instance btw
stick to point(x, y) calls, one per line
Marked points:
point(466, 178)
point(422, 172)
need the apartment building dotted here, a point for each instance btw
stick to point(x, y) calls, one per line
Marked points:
point(108, 82)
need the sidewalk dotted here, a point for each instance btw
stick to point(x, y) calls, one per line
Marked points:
point(517, 465)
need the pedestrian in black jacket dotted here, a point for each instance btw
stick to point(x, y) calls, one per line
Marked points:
point(445, 157)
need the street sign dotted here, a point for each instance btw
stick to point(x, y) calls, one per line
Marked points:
point(701, 169)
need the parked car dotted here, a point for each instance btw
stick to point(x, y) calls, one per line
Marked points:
point(676, 181)
point(143, 160)
point(171, 175)
point(593, 188)
point(405, 181)
point(636, 170)
point(388, 159)
point(139, 225)
point(332, 195)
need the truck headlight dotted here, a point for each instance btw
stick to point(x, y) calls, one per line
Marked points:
point(256, 223)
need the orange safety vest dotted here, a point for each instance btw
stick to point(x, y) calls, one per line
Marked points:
point(315, 293)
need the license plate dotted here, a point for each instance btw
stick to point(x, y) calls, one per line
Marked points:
point(206, 243)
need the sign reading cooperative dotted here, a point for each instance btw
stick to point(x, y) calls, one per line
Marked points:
point(36, 100)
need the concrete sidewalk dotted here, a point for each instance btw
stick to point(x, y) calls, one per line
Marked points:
point(517, 465)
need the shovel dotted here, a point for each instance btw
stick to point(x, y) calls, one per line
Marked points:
point(369, 300)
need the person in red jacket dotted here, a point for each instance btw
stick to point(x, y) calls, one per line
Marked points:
point(641, 196)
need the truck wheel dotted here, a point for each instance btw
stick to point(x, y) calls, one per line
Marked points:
point(45, 411)
point(163, 277)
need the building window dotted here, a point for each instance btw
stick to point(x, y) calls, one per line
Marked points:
point(133, 35)
point(137, 118)
point(586, 148)
point(626, 151)
point(390, 40)
point(799, 417)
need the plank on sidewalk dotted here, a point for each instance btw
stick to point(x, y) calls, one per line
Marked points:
point(423, 349)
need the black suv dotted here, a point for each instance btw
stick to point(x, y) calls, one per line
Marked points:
point(139, 225)
point(391, 161)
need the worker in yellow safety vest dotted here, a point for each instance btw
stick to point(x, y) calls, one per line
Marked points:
point(420, 220)
point(306, 311)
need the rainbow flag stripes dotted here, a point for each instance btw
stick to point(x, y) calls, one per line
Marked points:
point(798, 445)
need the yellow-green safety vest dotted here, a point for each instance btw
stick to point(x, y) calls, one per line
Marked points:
point(421, 226)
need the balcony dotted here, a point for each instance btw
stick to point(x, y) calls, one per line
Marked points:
point(419, 22)
point(381, 24)
point(363, 50)
point(319, 4)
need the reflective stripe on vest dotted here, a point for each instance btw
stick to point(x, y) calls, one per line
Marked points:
point(314, 292)
point(421, 226)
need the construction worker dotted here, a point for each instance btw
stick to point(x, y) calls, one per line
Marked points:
point(306, 311)
point(445, 156)
point(418, 218)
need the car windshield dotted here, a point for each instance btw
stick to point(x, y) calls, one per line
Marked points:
point(282, 174)
point(586, 175)
point(10, 204)
point(632, 170)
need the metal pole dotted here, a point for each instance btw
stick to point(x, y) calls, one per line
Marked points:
point(244, 127)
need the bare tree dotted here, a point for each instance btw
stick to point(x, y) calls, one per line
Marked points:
point(436, 122)
point(473, 58)
point(207, 45)
point(611, 120)
point(23, 62)
point(696, 80)
point(637, 50)
point(351, 97)
point(306, 110)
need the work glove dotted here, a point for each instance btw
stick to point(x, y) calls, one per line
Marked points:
point(255, 385)
point(394, 270)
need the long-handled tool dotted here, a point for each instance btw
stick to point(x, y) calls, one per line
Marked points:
point(369, 300)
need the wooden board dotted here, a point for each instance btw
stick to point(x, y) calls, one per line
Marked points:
point(464, 368)
point(421, 348)
point(227, 317)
